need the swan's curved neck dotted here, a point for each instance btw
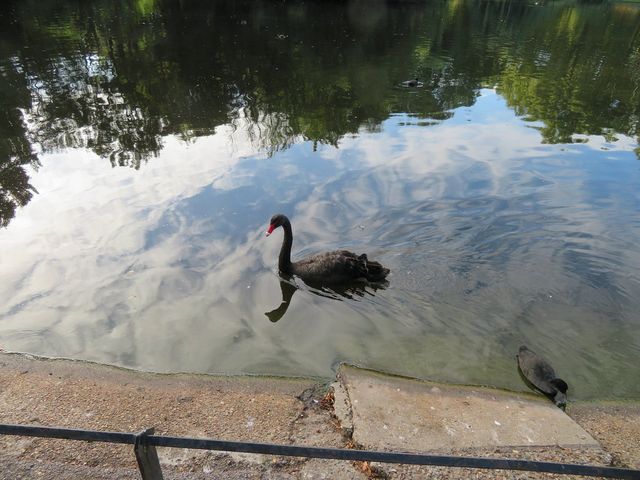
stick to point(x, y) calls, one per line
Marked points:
point(284, 260)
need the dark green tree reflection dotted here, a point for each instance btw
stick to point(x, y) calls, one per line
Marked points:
point(118, 76)
point(581, 75)
point(16, 151)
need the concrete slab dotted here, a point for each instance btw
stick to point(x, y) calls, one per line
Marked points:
point(392, 413)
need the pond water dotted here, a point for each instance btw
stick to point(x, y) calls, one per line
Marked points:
point(145, 145)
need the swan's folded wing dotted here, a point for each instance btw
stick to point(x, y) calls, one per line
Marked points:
point(340, 266)
point(331, 267)
point(376, 271)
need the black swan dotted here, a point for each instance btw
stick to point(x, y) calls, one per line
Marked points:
point(340, 266)
point(541, 375)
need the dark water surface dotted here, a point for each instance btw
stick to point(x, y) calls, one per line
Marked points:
point(145, 144)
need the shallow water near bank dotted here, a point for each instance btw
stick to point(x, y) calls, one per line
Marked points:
point(502, 194)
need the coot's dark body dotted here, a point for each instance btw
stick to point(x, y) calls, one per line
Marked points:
point(542, 376)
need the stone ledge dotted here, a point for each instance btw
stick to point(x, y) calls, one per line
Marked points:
point(391, 413)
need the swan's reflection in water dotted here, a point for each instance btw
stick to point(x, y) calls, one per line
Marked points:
point(287, 288)
point(289, 284)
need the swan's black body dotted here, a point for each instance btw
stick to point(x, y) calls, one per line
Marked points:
point(330, 268)
point(541, 375)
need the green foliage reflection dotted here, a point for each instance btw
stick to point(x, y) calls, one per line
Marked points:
point(118, 76)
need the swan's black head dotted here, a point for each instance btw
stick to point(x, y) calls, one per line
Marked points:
point(276, 221)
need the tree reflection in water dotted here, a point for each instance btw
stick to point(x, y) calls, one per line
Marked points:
point(117, 77)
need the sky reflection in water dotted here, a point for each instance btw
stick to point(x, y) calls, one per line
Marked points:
point(139, 167)
point(493, 238)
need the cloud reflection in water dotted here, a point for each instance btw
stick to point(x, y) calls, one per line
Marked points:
point(493, 240)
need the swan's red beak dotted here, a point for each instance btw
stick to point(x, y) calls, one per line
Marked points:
point(271, 228)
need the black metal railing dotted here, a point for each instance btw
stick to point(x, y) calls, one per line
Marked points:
point(145, 442)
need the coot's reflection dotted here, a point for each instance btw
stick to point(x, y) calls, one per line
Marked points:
point(288, 286)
